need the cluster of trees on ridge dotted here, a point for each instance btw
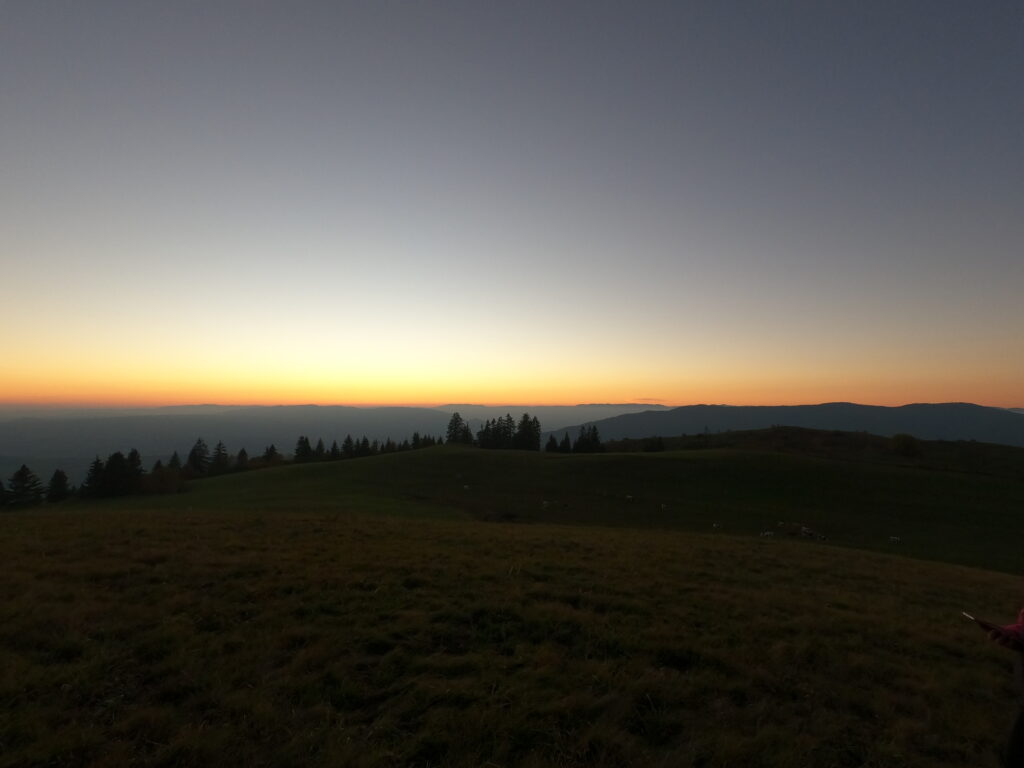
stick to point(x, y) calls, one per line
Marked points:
point(123, 474)
point(505, 433)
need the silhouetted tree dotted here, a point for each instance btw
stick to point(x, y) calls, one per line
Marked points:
point(162, 479)
point(24, 488)
point(242, 460)
point(589, 441)
point(93, 484)
point(118, 479)
point(303, 450)
point(271, 455)
point(552, 445)
point(504, 433)
point(527, 436)
point(565, 444)
point(458, 430)
point(135, 464)
point(348, 447)
point(58, 489)
point(335, 452)
point(174, 462)
point(364, 447)
point(198, 458)
point(320, 452)
point(219, 462)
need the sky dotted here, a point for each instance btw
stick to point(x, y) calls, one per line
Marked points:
point(519, 202)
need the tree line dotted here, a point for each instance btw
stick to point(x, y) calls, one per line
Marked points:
point(505, 433)
point(123, 474)
point(587, 441)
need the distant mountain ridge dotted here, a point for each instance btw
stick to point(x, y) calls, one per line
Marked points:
point(929, 421)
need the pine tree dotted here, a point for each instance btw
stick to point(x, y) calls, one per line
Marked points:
point(198, 458)
point(93, 485)
point(320, 452)
point(335, 453)
point(348, 447)
point(484, 435)
point(457, 428)
point(303, 450)
point(565, 444)
point(135, 464)
point(589, 441)
point(219, 462)
point(270, 454)
point(174, 462)
point(24, 488)
point(527, 435)
point(242, 460)
point(117, 478)
point(58, 489)
point(552, 445)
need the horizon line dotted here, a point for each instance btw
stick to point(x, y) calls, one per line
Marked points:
point(56, 406)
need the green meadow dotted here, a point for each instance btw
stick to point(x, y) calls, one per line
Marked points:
point(460, 607)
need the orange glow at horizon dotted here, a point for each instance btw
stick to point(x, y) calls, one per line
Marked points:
point(156, 390)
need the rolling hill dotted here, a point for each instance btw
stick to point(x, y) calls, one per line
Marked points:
point(460, 607)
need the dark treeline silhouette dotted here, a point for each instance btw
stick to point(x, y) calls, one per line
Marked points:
point(588, 441)
point(459, 431)
point(123, 475)
point(504, 433)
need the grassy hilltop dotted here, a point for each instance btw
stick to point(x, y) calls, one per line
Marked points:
point(397, 611)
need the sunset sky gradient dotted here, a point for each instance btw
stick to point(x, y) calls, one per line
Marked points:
point(530, 202)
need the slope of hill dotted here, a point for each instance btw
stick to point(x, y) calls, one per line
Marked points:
point(325, 614)
point(954, 516)
point(938, 421)
point(901, 450)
